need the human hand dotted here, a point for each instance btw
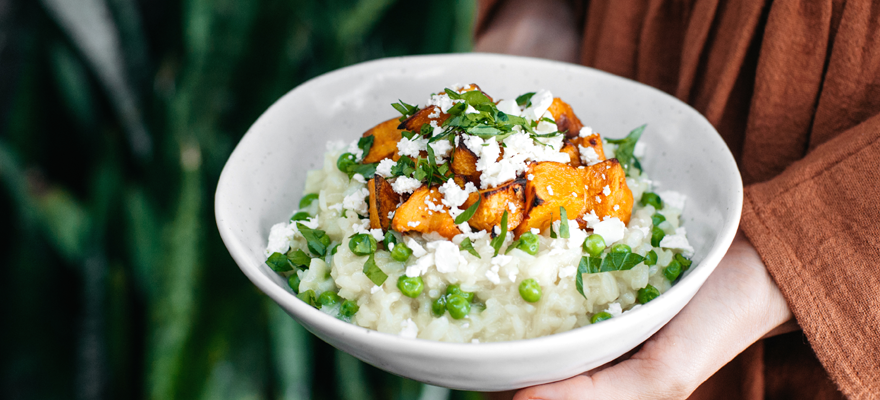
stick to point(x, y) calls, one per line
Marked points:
point(738, 305)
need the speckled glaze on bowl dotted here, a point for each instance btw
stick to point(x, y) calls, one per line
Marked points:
point(264, 178)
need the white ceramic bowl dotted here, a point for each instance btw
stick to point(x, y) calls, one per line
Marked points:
point(263, 180)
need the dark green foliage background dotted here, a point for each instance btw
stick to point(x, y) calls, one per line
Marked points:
point(113, 280)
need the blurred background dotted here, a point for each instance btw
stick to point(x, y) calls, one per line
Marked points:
point(116, 117)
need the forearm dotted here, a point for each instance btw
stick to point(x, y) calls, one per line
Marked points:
point(546, 29)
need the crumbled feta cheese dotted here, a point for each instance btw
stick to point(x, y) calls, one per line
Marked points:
point(454, 196)
point(509, 107)
point(442, 150)
point(591, 218)
point(585, 131)
point(492, 275)
point(442, 101)
point(417, 249)
point(541, 101)
point(678, 241)
point(280, 237)
point(384, 167)
point(574, 194)
point(598, 199)
point(611, 229)
point(614, 309)
point(355, 150)
point(616, 207)
point(378, 234)
point(545, 127)
point(358, 178)
point(435, 113)
point(535, 231)
point(673, 199)
point(411, 148)
point(471, 110)
point(512, 275)
point(588, 155)
point(390, 214)
point(606, 190)
point(356, 201)
point(550, 190)
point(511, 206)
point(311, 223)
point(446, 257)
point(413, 224)
point(375, 289)
point(405, 184)
point(421, 266)
point(530, 177)
point(431, 206)
point(408, 329)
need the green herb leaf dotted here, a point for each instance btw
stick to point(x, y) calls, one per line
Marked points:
point(372, 271)
point(563, 223)
point(405, 109)
point(366, 143)
point(625, 148)
point(631, 260)
point(279, 262)
point(309, 298)
point(467, 214)
point(513, 245)
point(307, 200)
point(588, 265)
point(525, 100)
point(404, 167)
point(299, 258)
point(685, 263)
point(498, 241)
point(316, 239)
point(467, 246)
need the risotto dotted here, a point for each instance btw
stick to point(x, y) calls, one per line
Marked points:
point(475, 220)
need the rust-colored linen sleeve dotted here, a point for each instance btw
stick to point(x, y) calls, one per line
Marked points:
point(793, 87)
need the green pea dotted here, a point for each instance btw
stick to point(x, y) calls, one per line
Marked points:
point(528, 243)
point(530, 290)
point(328, 298)
point(307, 200)
point(349, 308)
point(599, 317)
point(673, 270)
point(438, 306)
point(685, 263)
point(652, 199)
point(294, 281)
point(458, 306)
point(647, 294)
point(345, 162)
point(651, 258)
point(456, 290)
point(594, 245)
point(410, 287)
point(621, 248)
point(362, 244)
point(300, 216)
point(657, 235)
point(401, 252)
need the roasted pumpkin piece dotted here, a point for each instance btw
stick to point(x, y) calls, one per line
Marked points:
point(414, 122)
point(551, 185)
point(573, 153)
point(385, 138)
point(383, 200)
point(464, 163)
point(594, 142)
point(414, 215)
point(565, 119)
point(606, 190)
point(509, 197)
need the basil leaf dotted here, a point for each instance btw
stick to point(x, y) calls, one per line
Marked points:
point(631, 260)
point(525, 100)
point(475, 98)
point(309, 298)
point(483, 131)
point(299, 258)
point(583, 268)
point(316, 239)
point(625, 148)
point(467, 214)
point(607, 264)
point(498, 241)
point(467, 246)
point(563, 223)
point(279, 262)
point(372, 271)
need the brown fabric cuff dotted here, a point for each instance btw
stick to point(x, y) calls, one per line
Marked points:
point(817, 228)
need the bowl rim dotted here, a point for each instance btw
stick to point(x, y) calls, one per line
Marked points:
point(311, 316)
